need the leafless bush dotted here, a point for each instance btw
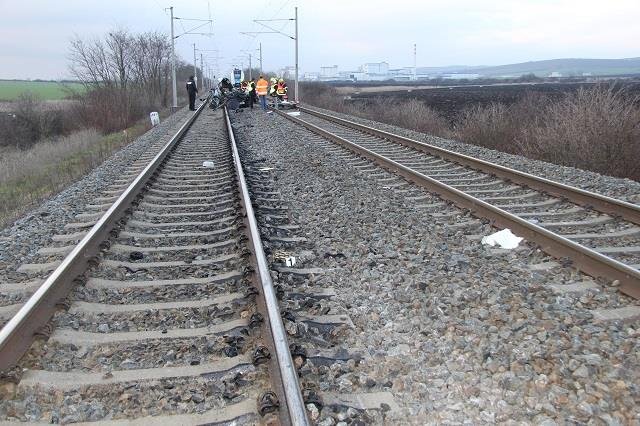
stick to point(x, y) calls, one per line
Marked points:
point(109, 109)
point(491, 126)
point(411, 114)
point(501, 127)
point(125, 76)
point(596, 129)
point(29, 121)
point(323, 96)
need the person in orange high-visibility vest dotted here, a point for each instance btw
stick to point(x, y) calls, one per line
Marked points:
point(281, 90)
point(261, 90)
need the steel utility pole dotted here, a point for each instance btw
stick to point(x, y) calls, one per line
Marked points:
point(195, 66)
point(297, 97)
point(173, 52)
point(250, 67)
point(261, 58)
point(415, 66)
point(276, 31)
point(173, 65)
point(202, 71)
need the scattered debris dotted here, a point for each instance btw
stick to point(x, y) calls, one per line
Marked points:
point(505, 239)
point(208, 164)
point(284, 257)
point(136, 255)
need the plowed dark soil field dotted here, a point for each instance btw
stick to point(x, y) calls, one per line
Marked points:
point(449, 101)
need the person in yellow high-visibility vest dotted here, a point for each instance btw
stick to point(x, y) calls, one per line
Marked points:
point(272, 91)
point(261, 90)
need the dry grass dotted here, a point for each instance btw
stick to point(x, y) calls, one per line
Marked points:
point(491, 126)
point(28, 176)
point(595, 129)
point(411, 114)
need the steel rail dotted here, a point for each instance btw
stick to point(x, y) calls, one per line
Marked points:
point(599, 202)
point(585, 259)
point(295, 403)
point(19, 333)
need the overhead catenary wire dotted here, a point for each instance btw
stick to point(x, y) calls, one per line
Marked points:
point(173, 56)
point(251, 42)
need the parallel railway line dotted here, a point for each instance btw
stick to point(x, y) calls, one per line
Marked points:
point(599, 234)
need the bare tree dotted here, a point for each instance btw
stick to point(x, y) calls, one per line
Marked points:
point(150, 63)
point(120, 52)
point(90, 62)
point(125, 75)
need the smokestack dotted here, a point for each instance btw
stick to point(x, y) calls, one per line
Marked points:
point(415, 69)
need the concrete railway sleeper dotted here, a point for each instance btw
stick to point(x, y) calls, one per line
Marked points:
point(598, 234)
point(159, 309)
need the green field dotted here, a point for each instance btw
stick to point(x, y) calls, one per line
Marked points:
point(45, 90)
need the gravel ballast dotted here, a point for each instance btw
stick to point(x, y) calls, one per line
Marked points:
point(459, 333)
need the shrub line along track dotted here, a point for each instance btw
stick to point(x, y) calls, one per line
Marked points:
point(20, 332)
point(586, 259)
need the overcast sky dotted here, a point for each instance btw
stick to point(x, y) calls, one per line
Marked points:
point(34, 34)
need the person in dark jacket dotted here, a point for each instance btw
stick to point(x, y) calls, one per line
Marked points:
point(192, 90)
point(252, 93)
point(225, 86)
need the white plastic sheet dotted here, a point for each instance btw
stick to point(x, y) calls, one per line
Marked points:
point(208, 164)
point(505, 239)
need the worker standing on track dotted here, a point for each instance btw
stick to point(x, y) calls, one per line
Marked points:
point(281, 90)
point(251, 87)
point(273, 91)
point(192, 90)
point(261, 90)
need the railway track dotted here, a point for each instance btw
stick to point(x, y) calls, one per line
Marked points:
point(170, 315)
point(165, 311)
point(599, 235)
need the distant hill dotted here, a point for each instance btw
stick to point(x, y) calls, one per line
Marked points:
point(564, 67)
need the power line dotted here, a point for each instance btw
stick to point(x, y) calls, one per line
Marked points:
point(164, 9)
